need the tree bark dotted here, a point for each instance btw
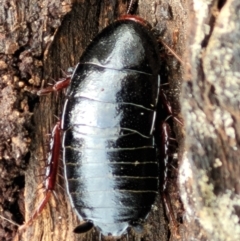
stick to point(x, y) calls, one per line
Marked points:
point(44, 44)
point(209, 171)
point(24, 29)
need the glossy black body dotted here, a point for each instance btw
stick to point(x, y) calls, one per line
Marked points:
point(109, 152)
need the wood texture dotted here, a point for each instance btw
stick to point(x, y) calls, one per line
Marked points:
point(209, 172)
point(76, 31)
point(51, 38)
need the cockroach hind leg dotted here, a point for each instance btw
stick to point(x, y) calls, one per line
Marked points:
point(37, 211)
point(166, 135)
point(174, 225)
point(84, 227)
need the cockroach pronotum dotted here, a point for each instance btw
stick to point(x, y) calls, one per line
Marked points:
point(110, 157)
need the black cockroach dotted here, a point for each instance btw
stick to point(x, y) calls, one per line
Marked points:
point(109, 152)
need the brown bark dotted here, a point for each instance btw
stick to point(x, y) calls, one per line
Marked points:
point(22, 29)
point(35, 57)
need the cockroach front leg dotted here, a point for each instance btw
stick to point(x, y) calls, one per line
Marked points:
point(50, 173)
point(59, 85)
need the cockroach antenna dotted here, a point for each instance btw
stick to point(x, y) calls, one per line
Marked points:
point(171, 51)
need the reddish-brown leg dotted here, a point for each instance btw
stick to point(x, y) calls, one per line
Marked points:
point(53, 158)
point(61, 84)
point(51, 173)
point(168, 107)
point(166, 155)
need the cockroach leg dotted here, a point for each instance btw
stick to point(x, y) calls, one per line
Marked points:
point(168, 108)
point(61, 84)
point(50, 173)
point(171, 51)
point(174, 226)
point(166, 133)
